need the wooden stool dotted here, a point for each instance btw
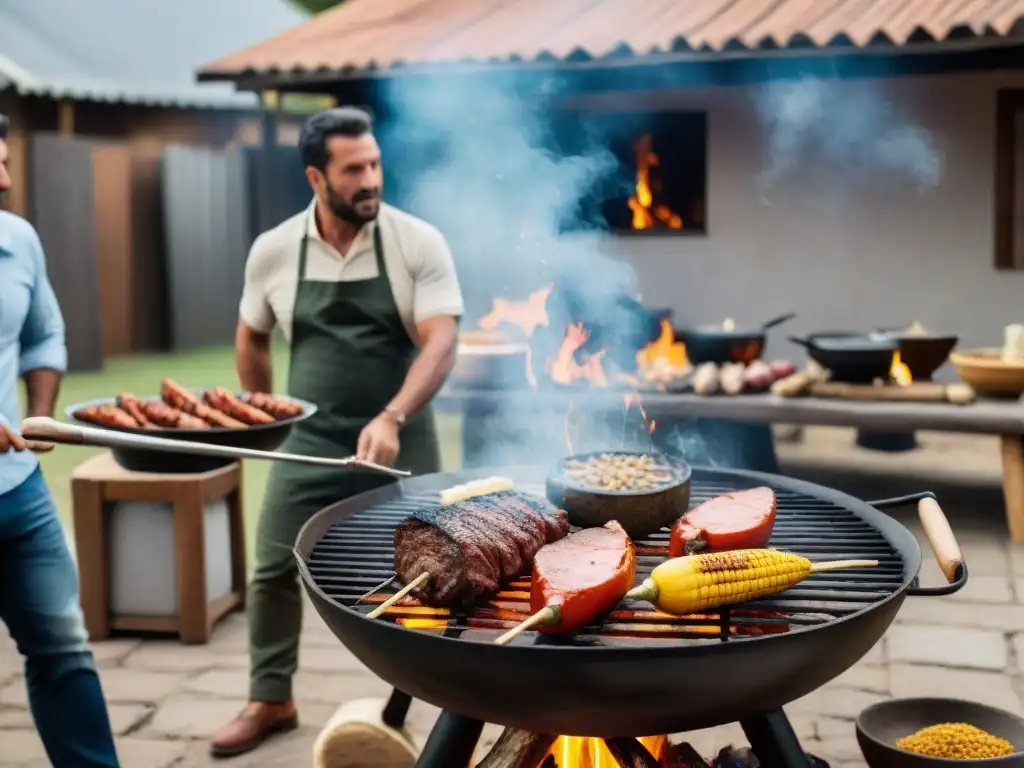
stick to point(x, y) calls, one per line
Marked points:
point(98, 484)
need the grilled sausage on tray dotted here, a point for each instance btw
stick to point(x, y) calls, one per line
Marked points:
point(185, 400)
point(225, 401)
point(107, 416)
point(130, 404)
point(279, 409)
point(163, 415)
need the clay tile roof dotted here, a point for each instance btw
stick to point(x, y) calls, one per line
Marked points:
point(380, 34)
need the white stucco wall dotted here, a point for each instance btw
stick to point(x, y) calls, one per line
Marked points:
point(842, 248)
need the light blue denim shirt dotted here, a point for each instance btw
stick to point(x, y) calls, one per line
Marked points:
point(31, 330)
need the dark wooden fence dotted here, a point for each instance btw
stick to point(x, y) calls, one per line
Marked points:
point(146, 245)
point(62, 205)
point(206, 214)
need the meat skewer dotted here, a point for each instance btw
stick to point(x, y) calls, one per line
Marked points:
point(741, 520)
point(451, 554)
point(577, 579)
point(130, 404)
point(185, 400)
point(225, 401)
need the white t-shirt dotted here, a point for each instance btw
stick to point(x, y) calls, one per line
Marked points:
point(419, 265)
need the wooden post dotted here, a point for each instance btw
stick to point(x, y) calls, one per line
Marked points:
point(1012, 449)
point(66, 117)
point(267, 216)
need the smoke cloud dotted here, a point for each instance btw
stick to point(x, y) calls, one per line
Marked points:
point(852, 130)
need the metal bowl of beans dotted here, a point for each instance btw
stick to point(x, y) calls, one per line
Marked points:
point(643, 492)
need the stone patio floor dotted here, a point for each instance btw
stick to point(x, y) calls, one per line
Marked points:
point(165, 699)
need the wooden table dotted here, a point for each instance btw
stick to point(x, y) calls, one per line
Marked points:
point(99, 482)
point(1004, 418)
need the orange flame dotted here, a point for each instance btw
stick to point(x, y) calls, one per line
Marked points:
point(527, 315)
point(899, 371)
point(664, 348)
point(585, 752)
point(564, 368)
point(641, 203)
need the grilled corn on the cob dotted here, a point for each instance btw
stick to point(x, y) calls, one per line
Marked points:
point(703, 582)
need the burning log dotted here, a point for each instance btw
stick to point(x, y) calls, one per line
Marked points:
point(630, 753)
point(518, 749)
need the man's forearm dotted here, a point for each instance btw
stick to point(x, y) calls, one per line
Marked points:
point(425, 377)
point(254, 368)
point(42, 386)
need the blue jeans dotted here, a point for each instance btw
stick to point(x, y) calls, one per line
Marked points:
point(39, 605)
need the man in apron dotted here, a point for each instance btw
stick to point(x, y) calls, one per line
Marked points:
point(368, 297)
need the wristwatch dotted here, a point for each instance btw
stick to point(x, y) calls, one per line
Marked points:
point(397, 415)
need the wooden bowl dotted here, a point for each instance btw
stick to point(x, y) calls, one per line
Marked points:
point(986, 372)
point(881, 725)
point(640, 513)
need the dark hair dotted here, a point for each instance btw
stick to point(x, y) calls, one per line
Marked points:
point(4, 123)
point(339, 121)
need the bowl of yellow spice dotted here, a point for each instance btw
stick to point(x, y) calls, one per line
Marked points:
point(911, 733)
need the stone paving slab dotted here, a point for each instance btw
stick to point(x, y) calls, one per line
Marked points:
point(167, 699)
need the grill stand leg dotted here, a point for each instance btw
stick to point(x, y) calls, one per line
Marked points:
point(396, 709)
point(774, 742)
point(451, 742)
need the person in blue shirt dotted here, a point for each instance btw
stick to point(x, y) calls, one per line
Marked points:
point(38, 582)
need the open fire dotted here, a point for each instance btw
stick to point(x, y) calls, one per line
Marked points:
point(648, 211)
point(583, 752)
point(574, 361)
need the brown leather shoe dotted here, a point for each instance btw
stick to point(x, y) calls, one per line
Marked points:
point(254, 724)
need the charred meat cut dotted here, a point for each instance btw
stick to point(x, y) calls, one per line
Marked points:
point(470, 547)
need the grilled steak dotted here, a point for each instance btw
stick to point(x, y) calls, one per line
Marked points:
point(470, 547)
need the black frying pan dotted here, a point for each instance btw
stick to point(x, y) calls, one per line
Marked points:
point(856, 358)
point(714, 344)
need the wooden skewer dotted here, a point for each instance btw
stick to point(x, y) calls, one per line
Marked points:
point(421, 579)
point(545, 617)
point(835, 565)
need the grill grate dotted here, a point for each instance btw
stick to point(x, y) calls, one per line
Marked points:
point(354, 557)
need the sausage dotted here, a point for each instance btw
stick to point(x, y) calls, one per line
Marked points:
point(757, 376)
point(186, 401)
point(781, 369)
point(130, 404)
point(732, 378)
point(107, 416)
point(705, 379)
point(584, 575)
point(163, 415)
point(275, 406)
point(740, 520)
point(225, 401)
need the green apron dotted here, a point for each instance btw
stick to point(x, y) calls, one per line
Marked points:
point(350, 354)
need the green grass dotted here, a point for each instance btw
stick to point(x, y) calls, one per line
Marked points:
point(213, 367)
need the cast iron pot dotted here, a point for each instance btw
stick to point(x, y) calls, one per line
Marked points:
point(923, 354)
point(261, 437)
point(856, 358)
point(640, 513)
point(713, 344)
point(881, 725)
